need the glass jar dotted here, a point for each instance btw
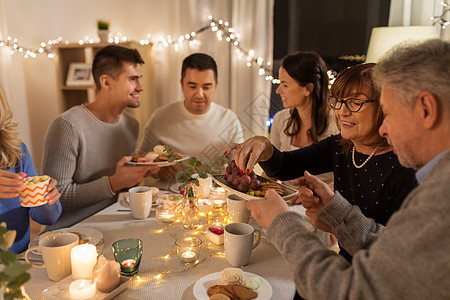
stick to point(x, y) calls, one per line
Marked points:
point(190, 212)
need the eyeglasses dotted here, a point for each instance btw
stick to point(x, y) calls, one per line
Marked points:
point(352, 104)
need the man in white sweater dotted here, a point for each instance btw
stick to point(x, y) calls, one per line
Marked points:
point(195, 126)
point(87, 147)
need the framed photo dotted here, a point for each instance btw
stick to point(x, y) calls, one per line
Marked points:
point(79, 74)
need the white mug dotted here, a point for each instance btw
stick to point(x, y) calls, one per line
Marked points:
point(240, 240)
point(204, 188)
point(139, 201)
point(55, 250)
point(237, 209)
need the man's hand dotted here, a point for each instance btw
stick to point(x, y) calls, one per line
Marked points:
point(127, 176)
point(53, 193)
point(264, 211)
point(10, 184)
point(168, 172)
point(314, 195)
point(318, 223)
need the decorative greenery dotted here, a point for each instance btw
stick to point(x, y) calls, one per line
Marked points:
point(185, 176)
point(102, 24)
point(14, 273)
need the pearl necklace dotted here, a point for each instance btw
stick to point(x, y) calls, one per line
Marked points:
point(365, 162)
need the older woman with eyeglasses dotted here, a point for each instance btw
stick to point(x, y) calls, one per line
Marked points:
point(366, 171)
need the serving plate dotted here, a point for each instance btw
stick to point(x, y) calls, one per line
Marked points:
point(220, 180)
point(158, 163)
point(60, 290)
point(202, 285)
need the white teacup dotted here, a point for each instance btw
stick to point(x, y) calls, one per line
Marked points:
point(237, 209)
point(240, 240)
point(55, 250)
point(140, 201)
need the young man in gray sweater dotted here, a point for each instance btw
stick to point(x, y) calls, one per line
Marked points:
point(88, 146)
point(407, 259)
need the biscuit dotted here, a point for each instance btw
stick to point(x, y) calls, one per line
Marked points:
point(243, 293)
point(219, 289)
point(219, 297)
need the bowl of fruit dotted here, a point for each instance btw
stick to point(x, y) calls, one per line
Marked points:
point(33, 191)
point(250, 186)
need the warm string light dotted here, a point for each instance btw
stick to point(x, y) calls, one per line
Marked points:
point(224, 32)
point(441, 20)
point(15, 47)
point(209, 249)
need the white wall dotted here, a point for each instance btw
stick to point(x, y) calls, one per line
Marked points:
point(31, 84)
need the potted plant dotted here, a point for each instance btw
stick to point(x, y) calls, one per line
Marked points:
point(103, 30)
point(14, 275)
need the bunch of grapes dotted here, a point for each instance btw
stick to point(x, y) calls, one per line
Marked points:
point(242, 183)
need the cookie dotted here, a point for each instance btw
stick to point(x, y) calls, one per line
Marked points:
point(243, 293)
point(219, 289)
point(219, 297)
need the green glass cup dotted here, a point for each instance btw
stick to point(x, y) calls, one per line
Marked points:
point(128, 253)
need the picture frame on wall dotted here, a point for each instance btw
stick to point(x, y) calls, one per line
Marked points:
point(79, 74)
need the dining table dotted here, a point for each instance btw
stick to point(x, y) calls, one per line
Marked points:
point(161, 274)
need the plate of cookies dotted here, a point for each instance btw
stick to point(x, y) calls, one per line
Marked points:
point(232, 283)
point(160, 156)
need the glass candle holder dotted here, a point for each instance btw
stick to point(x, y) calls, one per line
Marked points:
point(218, 218)
point(218, 197)
point(188, 249)
point(128, 253)
point(166, 215)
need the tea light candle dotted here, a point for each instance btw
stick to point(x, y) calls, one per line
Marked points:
point(165, 214)
point(218, 195)
point(188, 256)
point(128, 265)
point(82, 289)
point(83, 258)
point(166, 217)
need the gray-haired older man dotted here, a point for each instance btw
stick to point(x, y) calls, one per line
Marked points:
point(410, 259)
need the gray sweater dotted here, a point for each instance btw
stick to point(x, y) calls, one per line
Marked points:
point(80, 153)
point(410, 260)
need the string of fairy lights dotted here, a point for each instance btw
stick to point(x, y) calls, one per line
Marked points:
point(222, 29)
point(441, 19)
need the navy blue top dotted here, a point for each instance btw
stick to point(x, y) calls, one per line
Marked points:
point(17, 217)
point(378, 188)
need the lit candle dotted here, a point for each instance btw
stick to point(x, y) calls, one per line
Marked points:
point(83, 258)
point(128, 265)
point(189, 256)
point(166, 217)
point(165, 214)
point(82, 289)
point(128, 262)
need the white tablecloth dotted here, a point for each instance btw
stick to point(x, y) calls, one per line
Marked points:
point(176, 281)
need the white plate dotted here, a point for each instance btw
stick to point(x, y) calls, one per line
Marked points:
point(202, 285)
point(158, 163)
point(84, 231)
point(220, 180)
point(60, 290)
